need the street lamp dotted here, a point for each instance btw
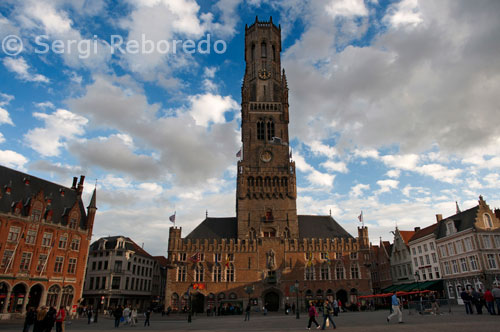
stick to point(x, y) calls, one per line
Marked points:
point(297, 310)
point(417, 278)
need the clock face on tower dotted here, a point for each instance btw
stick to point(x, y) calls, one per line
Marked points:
point(266, 156)
point(264, 74)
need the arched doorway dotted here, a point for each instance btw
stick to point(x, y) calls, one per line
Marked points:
point(4, 289)
point(342, 296)
point(198, 302)
point(272, 299)
point(17, 298)
point(35, 296)
point(67, 296)
point(53, 295)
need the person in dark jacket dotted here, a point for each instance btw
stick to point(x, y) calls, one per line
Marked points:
point(89, 314)
point(50, 319)
point(117, 313)
point(465, 296)
point(30, 319)
point(40, 317)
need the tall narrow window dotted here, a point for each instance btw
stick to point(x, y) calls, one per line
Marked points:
point(263, 50)
point(25, 261)
point(270, 130)
point(217, 274)
point(230, 273)
point(274, 53)
point(199, 273)
point(253, 52)
point(340, 272)
point(260, 130)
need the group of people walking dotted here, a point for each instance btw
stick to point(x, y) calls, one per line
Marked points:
point(327, 309)
point(128, 316)
point(44, 319)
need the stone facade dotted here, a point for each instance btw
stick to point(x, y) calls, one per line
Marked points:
point(119, 272)
point(262, 252)
point(44, 239)
point(469, 249)
point(401, 265)
point(425, 261)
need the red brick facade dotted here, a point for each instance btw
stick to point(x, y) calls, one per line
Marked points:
point(44, 238)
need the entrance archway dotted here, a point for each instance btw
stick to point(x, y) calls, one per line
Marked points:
point(342, 296)
point(17, 298)
point(4, 289)
point(67, 296)
point(35, 296)
point(198, 302)
point(272, 299)
point(53, 295)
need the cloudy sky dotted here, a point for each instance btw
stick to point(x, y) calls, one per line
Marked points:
point(394, 106)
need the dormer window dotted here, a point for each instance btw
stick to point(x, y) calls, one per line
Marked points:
point(487, 221)
point(36, 211)
point(73, 220)
point(450, 228)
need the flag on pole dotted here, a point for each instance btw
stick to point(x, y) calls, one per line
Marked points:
point(360, 217)
point(172, 218)
point(310, 260)
point(196, 257)
point(227, 261)
point(238, 154)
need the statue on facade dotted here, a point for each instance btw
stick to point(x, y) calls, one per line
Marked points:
point(271, 263)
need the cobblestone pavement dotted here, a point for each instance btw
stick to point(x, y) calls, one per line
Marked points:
point(352, 321)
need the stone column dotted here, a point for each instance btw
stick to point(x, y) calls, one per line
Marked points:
point(7, 301)
point(43, 297)
point(59, 298)
point(25, 303)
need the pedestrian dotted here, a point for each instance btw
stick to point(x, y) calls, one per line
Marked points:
point(396, 310)
point(265, 309)
point(147, 314)
point(335, 307)
point(49, 320)
point(126, 315)
point(134, 317)
point(89, 315)
point(30, 319)
point(247, 312)
point(490, 301)
point(434, 304)
point(496, 295)
point(476, 300)
point(60, 317)
point(117, 313)
point(465, 296)
point(40, 318)
point(327, 315)
point(313, 313)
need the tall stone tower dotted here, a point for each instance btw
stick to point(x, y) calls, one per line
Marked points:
point(266, 186)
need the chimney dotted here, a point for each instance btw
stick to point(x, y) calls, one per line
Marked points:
point(497, 213)
point(439, 217)
point(417, 229)
point(80, 185)
point(73, 186)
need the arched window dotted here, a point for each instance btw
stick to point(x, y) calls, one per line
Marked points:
point(73, 220)
point(53, 295)
point(67, 296)
point(309, 272)
point(253, 52)
point(267, 181)
point(263, 50)
point(259, 181)
point(274, 53)
point(174, 302)
point(487, 221)
point(340, 271)
point(284, 182)
point(199, 273)
point(250, 181)
point(269, 232)
point(230, 273)
point(325, 272)
point(270, 130)
point(181, 273)
point(354, 271)
point(286, 233)
point(217, 273)
point(319, 294)
point(260, 130)
point(252, 234)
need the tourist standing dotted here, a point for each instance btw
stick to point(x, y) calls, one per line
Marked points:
point(434, 303)
point(89, 315)
point(247, 312)
point(50, 319)
point(147, 314)
point(476, 300)
point(496, 294)
point(134, 317)
point(465, 296)
point(60, 317)
point(489, 299)
point(30, 319)
point(335, 307)
point(327, 314)
point(396, 310)
point(40, 318)
point(117, 313)
point(313, 313)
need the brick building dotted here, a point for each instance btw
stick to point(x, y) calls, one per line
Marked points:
point(120, 272)
point(381, 266)
point(45, 233)
point(263, 251)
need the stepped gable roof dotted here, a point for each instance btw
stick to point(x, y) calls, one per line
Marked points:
point(424, 232)
point(321, 227)
point(406, 235)
point(215, 228)
point(463, 220)
point(162, 260)
point(21, 192)
point(129, 244)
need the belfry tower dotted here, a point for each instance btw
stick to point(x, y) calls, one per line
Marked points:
point(266, 186)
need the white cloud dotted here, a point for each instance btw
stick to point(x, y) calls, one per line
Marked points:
point(404, 13)
point(321, 179)
point(321, 149)
point(357, 190)
point(12, 159)
point(393, 173)
point(333, 166)
point(209, 108)
point(5, 117)
point(440, 172)
point(405, 162)
point(346, 8)
point(22, 70)
point(386, 185)
point(2, 139)
point(45, 105)
point(60, 126)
